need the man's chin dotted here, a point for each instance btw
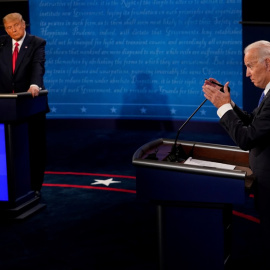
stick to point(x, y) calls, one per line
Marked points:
point(254, 83)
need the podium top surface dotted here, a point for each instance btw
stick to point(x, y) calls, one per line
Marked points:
point(19, 106)
point(22, 94)
point(174, 183)
point(210, 152)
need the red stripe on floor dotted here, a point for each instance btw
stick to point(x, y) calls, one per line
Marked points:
point(91, 174)
point(248, 217)
point(236, 213)
point(89, 187)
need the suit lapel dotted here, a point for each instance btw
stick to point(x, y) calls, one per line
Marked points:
point(258, 109)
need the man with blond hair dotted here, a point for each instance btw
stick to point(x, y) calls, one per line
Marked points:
point(22, 67)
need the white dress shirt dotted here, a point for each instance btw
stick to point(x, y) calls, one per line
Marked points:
point(20, 43)
point(229, 106)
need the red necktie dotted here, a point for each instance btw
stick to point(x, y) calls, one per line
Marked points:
point(14, 56)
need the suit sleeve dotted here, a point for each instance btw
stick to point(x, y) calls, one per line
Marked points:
point(248, 131)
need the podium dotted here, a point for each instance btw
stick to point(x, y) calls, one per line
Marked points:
point(17, 200)
point(194, 203)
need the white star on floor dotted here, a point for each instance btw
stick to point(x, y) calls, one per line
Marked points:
point(105, 182)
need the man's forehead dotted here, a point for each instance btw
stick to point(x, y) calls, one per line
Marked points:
point(251, 58)
point(12, 21)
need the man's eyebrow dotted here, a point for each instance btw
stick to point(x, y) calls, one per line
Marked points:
point(252, 62)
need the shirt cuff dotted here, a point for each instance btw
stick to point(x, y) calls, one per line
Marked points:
point(224, 108)
point(34, 85)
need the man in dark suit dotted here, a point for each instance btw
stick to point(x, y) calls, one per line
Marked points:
point(251, 131)
point(25, 74)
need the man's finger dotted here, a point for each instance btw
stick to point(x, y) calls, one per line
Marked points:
point(226, 87)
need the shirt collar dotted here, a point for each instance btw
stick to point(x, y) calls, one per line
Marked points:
point(20, 41)
point(267, 88)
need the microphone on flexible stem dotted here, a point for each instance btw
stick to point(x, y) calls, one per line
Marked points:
point(177, 153)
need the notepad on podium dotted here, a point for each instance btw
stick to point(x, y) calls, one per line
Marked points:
point(211, 164)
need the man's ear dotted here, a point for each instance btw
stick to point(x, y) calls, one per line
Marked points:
point(23, 23)
point(267, 63)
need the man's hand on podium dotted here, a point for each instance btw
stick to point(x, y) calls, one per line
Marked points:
point(34, 90)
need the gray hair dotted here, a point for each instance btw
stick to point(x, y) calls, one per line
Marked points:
point(262, 47)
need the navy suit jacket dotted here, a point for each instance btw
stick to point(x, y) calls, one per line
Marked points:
point(29, 66)
point(252, 132)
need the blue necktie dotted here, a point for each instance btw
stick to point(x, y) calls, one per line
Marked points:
point(261, 98)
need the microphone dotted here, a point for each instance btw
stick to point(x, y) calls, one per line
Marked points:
point(222, 86)
point(177, 153)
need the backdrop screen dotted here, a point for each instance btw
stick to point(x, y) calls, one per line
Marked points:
point(143, 59)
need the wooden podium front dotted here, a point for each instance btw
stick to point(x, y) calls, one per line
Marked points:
point(17, 200)
point(194, 203)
